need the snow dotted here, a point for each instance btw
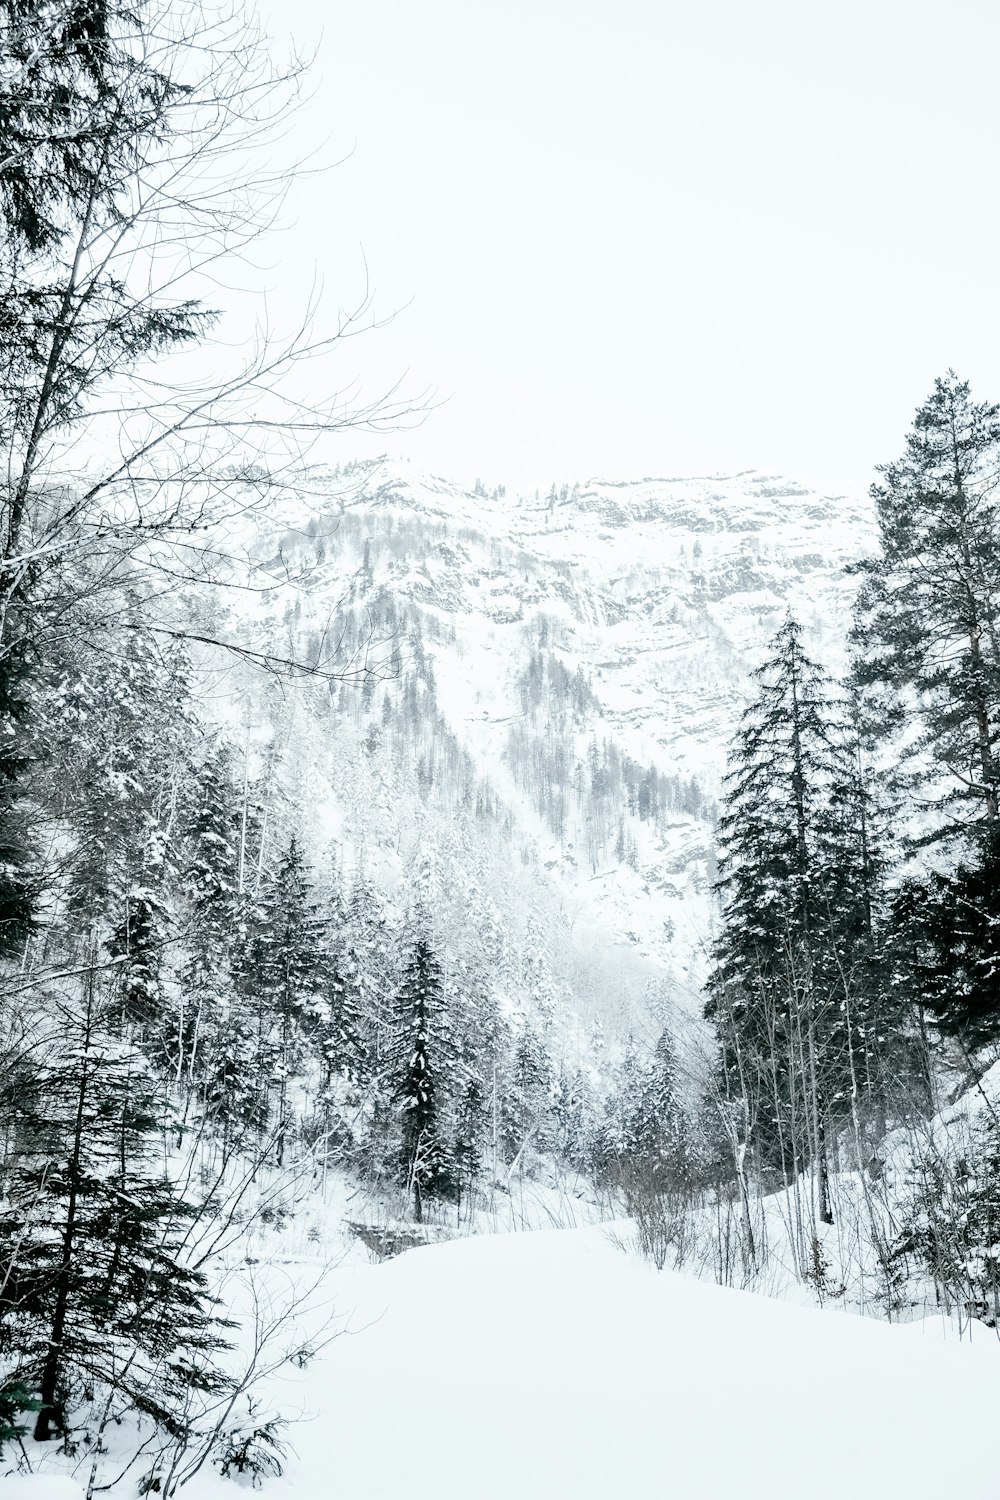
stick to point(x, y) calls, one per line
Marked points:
point(39, 1487)
point(555, 1364)
point(663, 591)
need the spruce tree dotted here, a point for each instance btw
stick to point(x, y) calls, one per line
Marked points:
point(528, 1096)
point(927, 659)
point(369, 972)
point(419, 1057)
point(99, 1289)
point(288, 959)
point(792, 913)
point(573, 1111)
point(926, 632)
point(209, 883)
point(470, 1125)
point(60, 112)
point(137, 942)
point(945, 953)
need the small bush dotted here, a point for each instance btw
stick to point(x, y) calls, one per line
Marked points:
point(252, 1450)
point(953, 1226)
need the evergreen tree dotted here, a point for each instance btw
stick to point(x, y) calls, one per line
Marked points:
point(340, 1034)
point(528, 1097)
point(793, 913)
point(945, 953)
point(60, 112)
point(470, 1123)
point(137, 942)
point(369, 974)
point(210, 885)
point(92, 1233)
point(644, 1134)
point(419, 1057)
point(926, 629)
point(927, 655)
point(19, 879)
point(671, 1127)
point(288, 960)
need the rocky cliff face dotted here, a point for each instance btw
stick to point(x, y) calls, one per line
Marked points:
point(567, 669)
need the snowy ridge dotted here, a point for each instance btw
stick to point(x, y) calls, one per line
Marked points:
point(660, 593)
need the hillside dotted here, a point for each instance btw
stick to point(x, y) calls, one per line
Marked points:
point(572, 665)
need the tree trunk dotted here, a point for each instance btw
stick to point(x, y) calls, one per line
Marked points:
point(49, 1415)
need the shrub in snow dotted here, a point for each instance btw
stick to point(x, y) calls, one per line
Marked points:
point(953, 1223)
point(252, 1450)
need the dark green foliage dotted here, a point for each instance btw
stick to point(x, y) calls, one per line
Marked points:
point(365, 979)
point(926, 629)
point(99, 1289)
point(646, 1131)
point(15, 1400)
point(137, 944)
point(797, 989)
point(339, 1030)
point(927, 664)
point(952, 1223)
point(211, 833)
point(281, 981)
point(19, 875)
point(255, 1451)
point(70, 63)
point(527, 1095)
point(470, 1126)
point(946, 945)
point(419, 1059)
point(117, 730)
point(574, 1111)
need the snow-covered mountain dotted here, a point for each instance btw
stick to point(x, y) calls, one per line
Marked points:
point(572, 666)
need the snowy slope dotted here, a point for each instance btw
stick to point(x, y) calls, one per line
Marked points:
point(660, 592)
point(665, 589)
point(552, 1364)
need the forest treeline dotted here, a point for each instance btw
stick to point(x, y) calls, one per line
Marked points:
point(854, 986)
point(190, 1003)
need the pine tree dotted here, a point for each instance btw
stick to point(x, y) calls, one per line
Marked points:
point(927, 655)
point(19, 880)
point(926, 631)
point(418, 1061)
point(528, 1102)
point(93, 1235)
point(209, 882)
point(945, 954)
point(340, 1033)
point(137, 942)
point(672, 1128)
point(286, 973)
point(793, 913)
point(644, 1134)
point(60, 112)
point(573, 1112)
point(470, 1125)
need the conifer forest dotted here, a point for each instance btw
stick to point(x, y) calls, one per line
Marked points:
point(429, 911)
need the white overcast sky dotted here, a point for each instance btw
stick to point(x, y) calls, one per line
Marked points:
point(654, 238)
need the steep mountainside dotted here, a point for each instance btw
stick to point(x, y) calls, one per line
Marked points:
point(557, 679)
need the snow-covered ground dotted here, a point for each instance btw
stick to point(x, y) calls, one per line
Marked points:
point(557, 1363)
point(553, 1364)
